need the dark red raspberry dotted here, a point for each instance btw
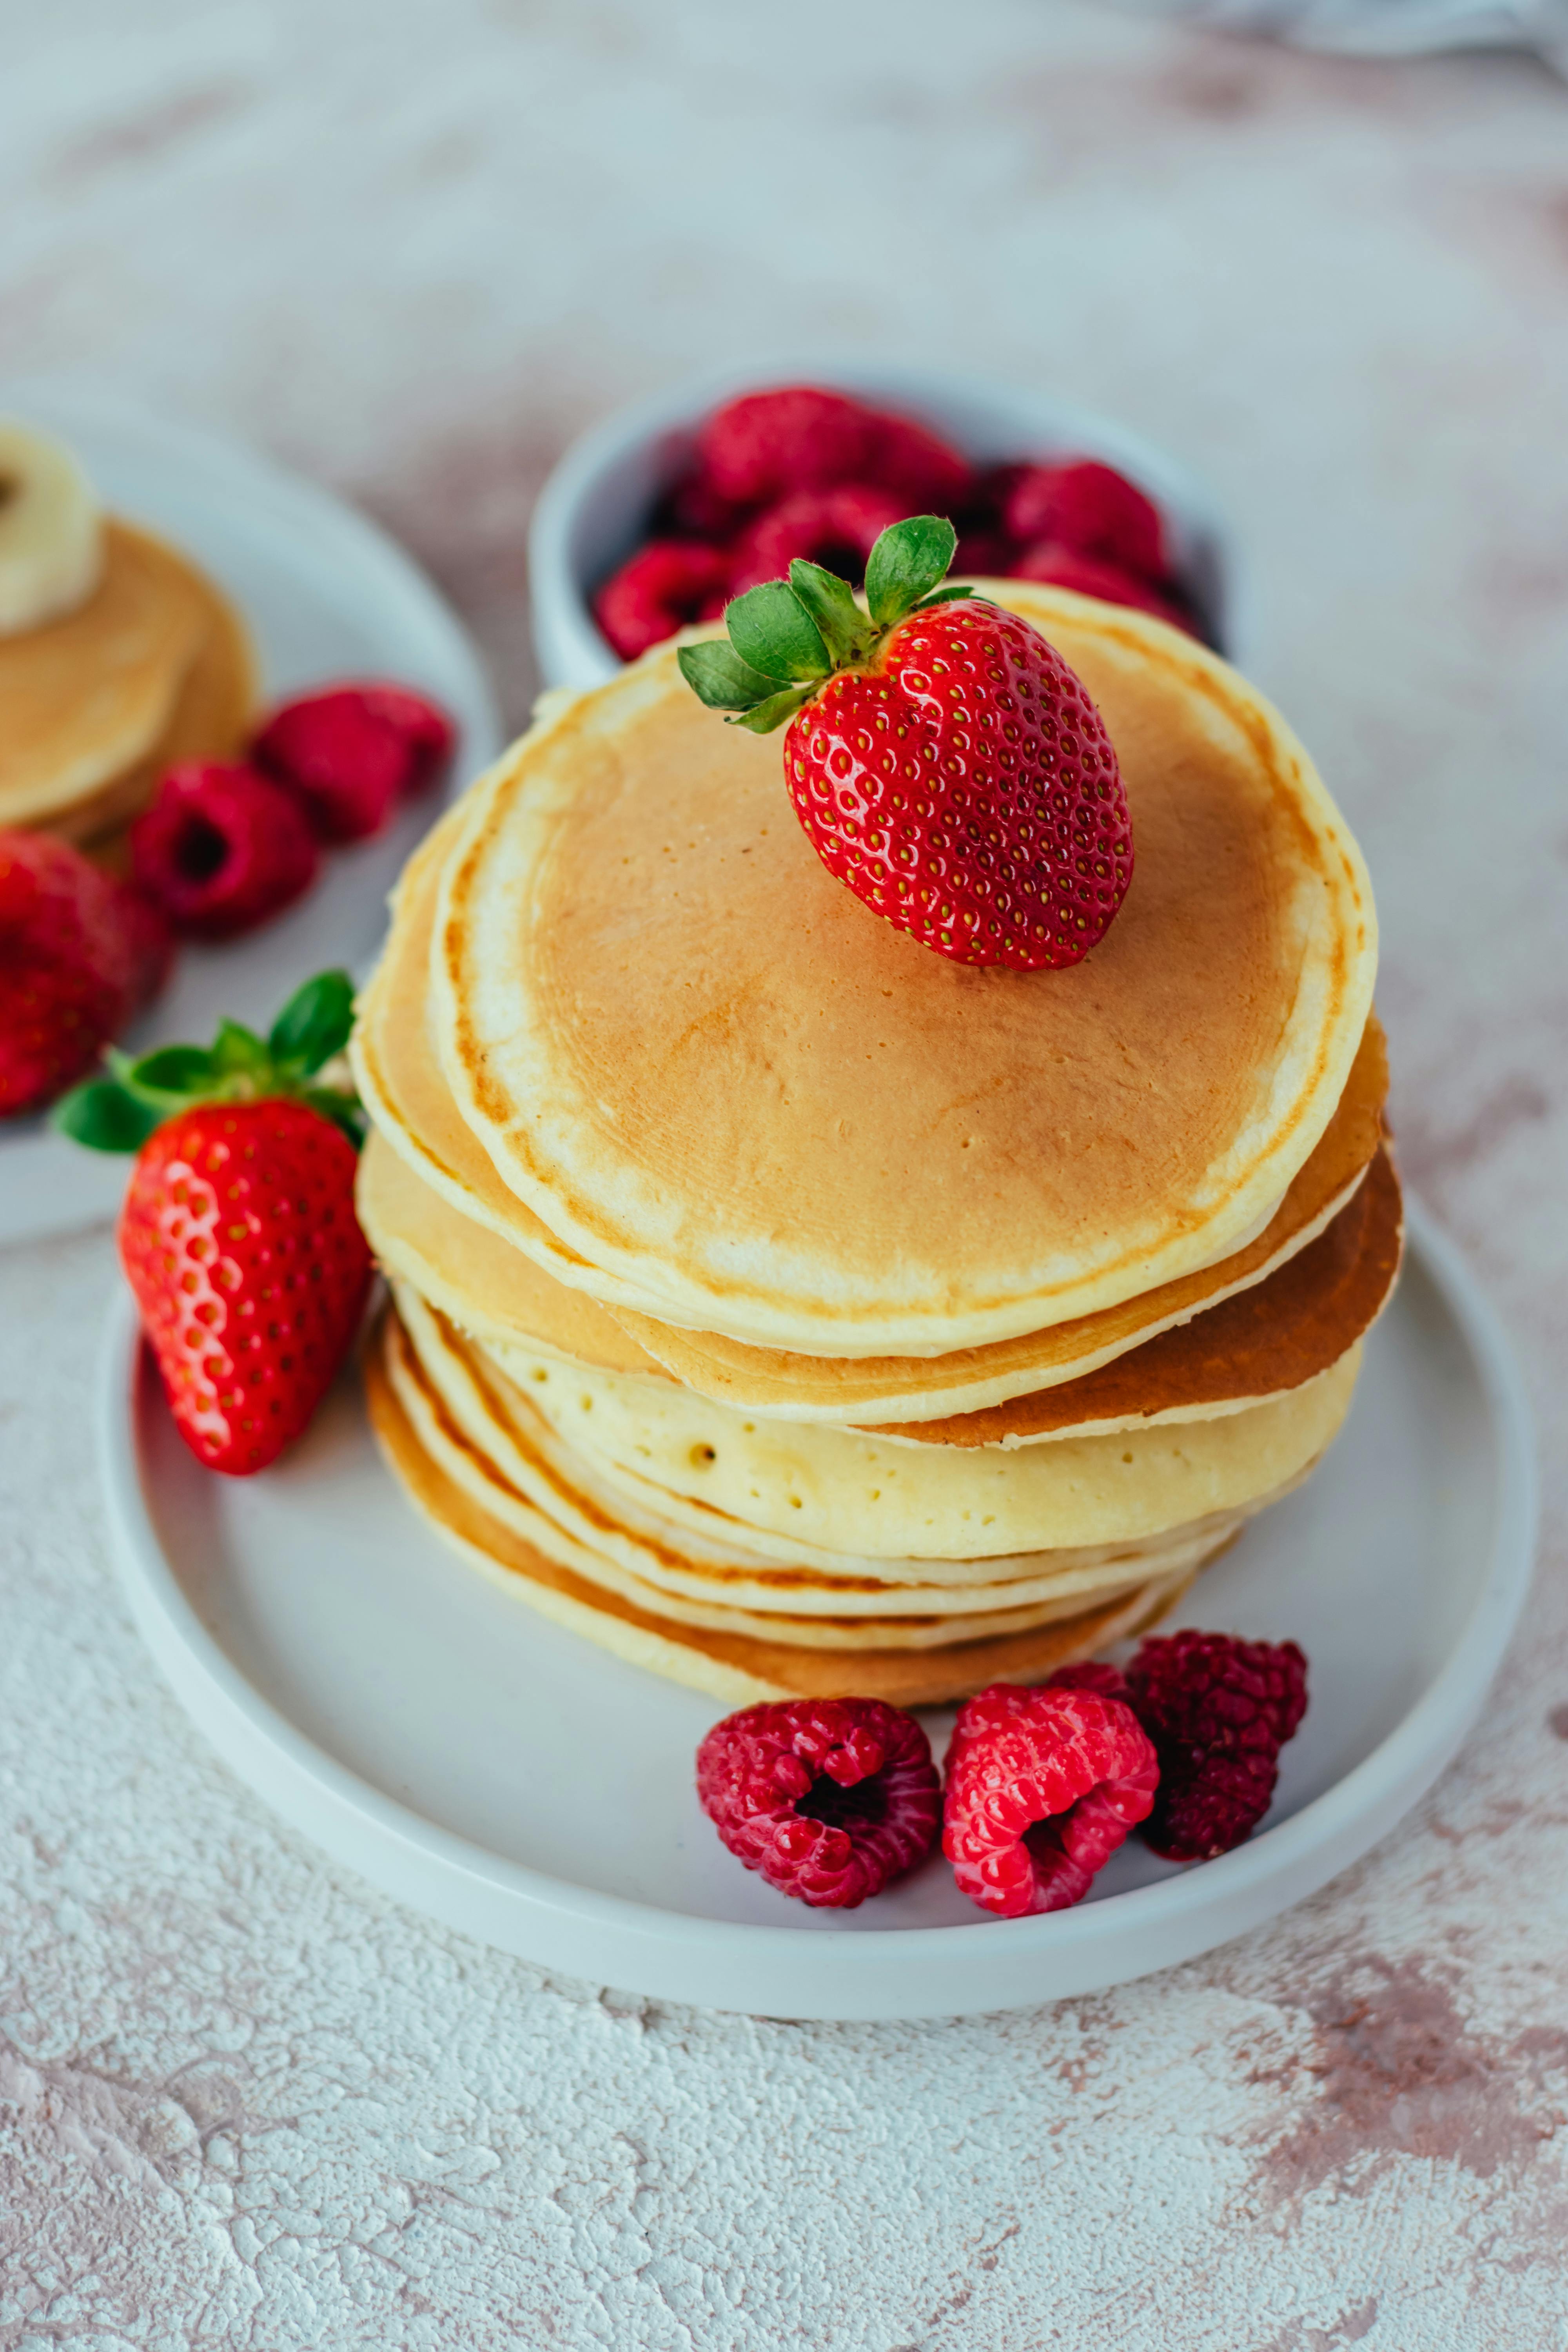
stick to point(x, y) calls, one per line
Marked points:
point(1090, 508)
point(982, 555)
point(692, 508)
point(798, 437)
point(990, 489)
point(1042, 1788)
point(924, 474)
point(827, 1797)
point(349, 754)
point(79, 953)
point(1091, 1675)
point(1061, 568)
point(663, 587)
point(836, 528)
point(222, 849)
point(1219, 1711)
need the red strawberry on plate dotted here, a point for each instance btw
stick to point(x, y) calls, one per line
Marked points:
point(945, 761)
point(238, 1234)
point(79, 953)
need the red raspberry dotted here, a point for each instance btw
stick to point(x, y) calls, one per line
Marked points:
point(1061, 568)
point(1042, 1788)
point(79, 953)
point(767, 444)
point(222, 849)
point(827, 1797)
point(924, 474)
point(350, 753)
point(1218, 1710)
point(663, 587)
point(1089, 507)
point(836, 528)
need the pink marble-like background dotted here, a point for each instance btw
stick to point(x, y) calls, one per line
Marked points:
point(242, 2099)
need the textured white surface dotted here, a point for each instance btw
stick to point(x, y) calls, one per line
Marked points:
point(243, 2101)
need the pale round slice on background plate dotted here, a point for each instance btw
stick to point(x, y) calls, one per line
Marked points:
point(327, 596)
point(427, 1728)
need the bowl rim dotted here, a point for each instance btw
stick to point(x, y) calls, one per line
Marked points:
point(575, 511)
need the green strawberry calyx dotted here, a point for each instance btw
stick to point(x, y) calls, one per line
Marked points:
point(119, 1110)
point(788, 637)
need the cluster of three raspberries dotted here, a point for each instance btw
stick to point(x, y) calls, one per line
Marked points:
point(830, 1799)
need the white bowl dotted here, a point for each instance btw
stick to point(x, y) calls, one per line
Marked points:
point(594, 508)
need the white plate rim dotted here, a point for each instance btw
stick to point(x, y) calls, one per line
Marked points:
point(663, 1953)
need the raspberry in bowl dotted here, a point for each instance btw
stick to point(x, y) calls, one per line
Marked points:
point(659, 514)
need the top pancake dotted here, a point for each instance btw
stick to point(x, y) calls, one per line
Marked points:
point(88, 695)
point(712, 1073)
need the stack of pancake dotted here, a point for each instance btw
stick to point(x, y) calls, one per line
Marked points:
point(153, 666)
point(793, 1310)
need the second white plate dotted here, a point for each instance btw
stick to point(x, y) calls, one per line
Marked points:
point(426, 1728)
point(326, 596)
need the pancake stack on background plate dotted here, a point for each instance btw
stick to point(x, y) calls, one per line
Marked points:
point(118, 658)
point(793, 1310)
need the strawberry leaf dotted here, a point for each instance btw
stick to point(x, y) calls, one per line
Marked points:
point(765, 716)
point(171, 1076)
point(105, 1115)
point(238, 1052)
point(908, 562)
point(718, 676)
point(830, 600)
point(771, 629)
point(314, 1024)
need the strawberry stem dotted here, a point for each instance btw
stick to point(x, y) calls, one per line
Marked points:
point(788, 637)
point(119, 1110)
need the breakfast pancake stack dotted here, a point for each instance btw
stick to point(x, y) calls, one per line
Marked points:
point(118, 658)
point(794, 1310)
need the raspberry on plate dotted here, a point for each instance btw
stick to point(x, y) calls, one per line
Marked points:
point(1042, 1787)
point(663, 587)
point(79, 953)
point(827, 1799)
point(1089, 575)
point(349, 754)
point(222, 849)
point(836, 528)
point(1090, 508)
point(1219, 1711)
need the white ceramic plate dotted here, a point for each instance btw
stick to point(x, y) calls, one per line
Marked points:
point(327, 596)
point(433, 1733)
point(593, 508)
